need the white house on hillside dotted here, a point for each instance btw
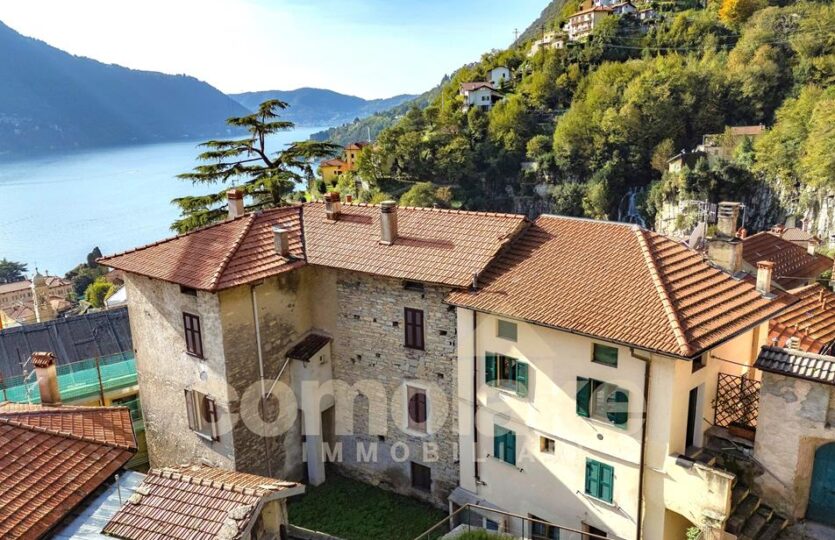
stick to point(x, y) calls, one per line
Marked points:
point(581, 24)
point(499, 75)
point(479, 94)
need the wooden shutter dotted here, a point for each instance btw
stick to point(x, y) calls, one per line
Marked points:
point(521, 379)
point(490, 369)
point(418, 314)
point(498, 442)
point(190, 412)
point(510, 447)
point(417, 408)
point(618, 407)
point(414, 328)
point(607, 482)
point(592, 478)
point(583, 396)
point(211, 417)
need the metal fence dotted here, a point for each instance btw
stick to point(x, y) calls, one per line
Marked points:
point(474, 522)
point(737, 402)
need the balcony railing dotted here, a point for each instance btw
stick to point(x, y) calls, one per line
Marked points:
point(77, 381)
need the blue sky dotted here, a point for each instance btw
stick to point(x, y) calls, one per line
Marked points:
point(370, 48)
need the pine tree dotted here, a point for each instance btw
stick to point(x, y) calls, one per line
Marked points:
point(266, 178)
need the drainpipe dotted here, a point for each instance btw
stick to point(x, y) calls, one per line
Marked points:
point(640, 516)
point(261, 369)
point(475, 402)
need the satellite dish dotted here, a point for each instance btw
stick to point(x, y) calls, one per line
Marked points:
point(698, 235)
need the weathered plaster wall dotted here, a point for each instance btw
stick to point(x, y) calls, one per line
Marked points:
point(368, 328)
point(165, 371)
point(795, 420)
point(284, 315)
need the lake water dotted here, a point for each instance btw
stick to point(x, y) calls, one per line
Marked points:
point(54, 210)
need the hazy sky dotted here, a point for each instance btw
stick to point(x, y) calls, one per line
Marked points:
point(370, 48)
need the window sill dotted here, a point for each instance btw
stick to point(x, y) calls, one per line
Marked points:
point(207, 438)
point(612, 505)
point(508, 392)
point(606, 423)
point(194, 355)
point(503, 462)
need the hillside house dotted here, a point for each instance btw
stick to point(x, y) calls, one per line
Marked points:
point(623, 8)
point(331, 169)
point(557, 355)
point(481, 95)
point(322, 294)
point(581, 25)
point(549, 40)
point(722, 145)
point(683, 159)
point(498, 76)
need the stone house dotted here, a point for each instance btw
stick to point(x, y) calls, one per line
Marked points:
point(333, 301)
point(589, 358)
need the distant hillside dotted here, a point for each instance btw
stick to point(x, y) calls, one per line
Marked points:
point(318, 107)
point(52, 100)
point(359, 130)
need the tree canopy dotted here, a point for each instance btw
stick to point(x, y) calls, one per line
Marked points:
point(11, 271)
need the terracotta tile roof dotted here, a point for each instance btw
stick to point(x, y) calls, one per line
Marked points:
point(811, 320)
point(799, 364)
point(797, 235)
point(195, 502)
point(51, 281)
point(793, 266)
point(471, 86)
point(433, 246)
point(747, 130)
point(52, 458)
point(307, 347)
point(219, 256)
point(358, 145)
point(336, 162)
point(619, 283)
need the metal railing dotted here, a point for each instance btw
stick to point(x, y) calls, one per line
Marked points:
point(474, 522)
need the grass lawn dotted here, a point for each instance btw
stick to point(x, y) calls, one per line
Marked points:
point(356, 511)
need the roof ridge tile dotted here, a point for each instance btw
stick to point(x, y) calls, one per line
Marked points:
point(232, 249)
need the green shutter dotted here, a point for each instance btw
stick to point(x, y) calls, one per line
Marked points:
point(521, 379)
point(592, 483)
point(510, 447)
point(498, 442)
point(607, 483)
point(583, 396)
point(490, 369)
point(618, 407)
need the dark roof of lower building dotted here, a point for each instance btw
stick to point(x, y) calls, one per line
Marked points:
point(798, 364)
point(71, 339)
point(53, 458)
point(307, 347)
point(793, 266)
point(619, 283)
point(195, 502)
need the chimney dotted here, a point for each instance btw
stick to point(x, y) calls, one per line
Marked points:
point(44, 363)
point(282, 241)
point(725, 248)
point(333, 207)
point(728, 214)
point(793, 343)
point(236, 203)
point(765, 271)
point(349, 199)
point(388, 222)
point(811, 246)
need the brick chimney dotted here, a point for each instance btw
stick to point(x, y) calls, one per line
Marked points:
point(765, 271)
point(282, 241)
point(44, 363)
point(236, 203)
point(333, 206)
point(388, 222)
point(725, 248)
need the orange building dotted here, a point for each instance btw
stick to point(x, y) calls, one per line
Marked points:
point(331, 169)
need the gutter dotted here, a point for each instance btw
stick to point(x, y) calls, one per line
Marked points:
point(640, 517)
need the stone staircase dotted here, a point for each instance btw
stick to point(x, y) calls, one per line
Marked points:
point(750, 518)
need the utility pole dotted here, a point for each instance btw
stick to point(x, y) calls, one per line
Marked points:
point(515, 35)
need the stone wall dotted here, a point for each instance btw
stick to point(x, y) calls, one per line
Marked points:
point(165, 371)
point(795, 419)
point(369, 346)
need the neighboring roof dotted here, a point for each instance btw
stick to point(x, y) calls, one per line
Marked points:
point(358, 145)
point(472, 86)
point(72, 339)
point(87, 521)
point(307, 347)
point(811, 320)
point(196, 502)
point(595, 8)
point(20, 312)
point(433, 246)
point(619, 283)
point(52, 458)
point(793, 266)
point(335, 162)
point(799, 364)
point(797, 235)
point(51, 281)
point(219, 256)
point(747, 130)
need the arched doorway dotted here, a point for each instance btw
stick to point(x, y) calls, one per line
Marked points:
point(822, 491)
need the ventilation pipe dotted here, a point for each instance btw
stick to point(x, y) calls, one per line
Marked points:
point(765, 272)
point(282, 241)
point(388, 222)
point(236, 203)
point(333, 207)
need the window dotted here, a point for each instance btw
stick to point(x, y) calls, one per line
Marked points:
point(599, 533)
point(421, 477)
point(504, 444)
point(506, 372)
point(602, 401)
point(188, 290)
point(547, 445)
point(506, 330)
point(414, 328)
point(194, 340)
point(699, 363)
point(603, 354)
point(541, 530)
point(202, 415)
point(491, 525)
point(600, 480)
point(417, 408)
point(415, 286)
